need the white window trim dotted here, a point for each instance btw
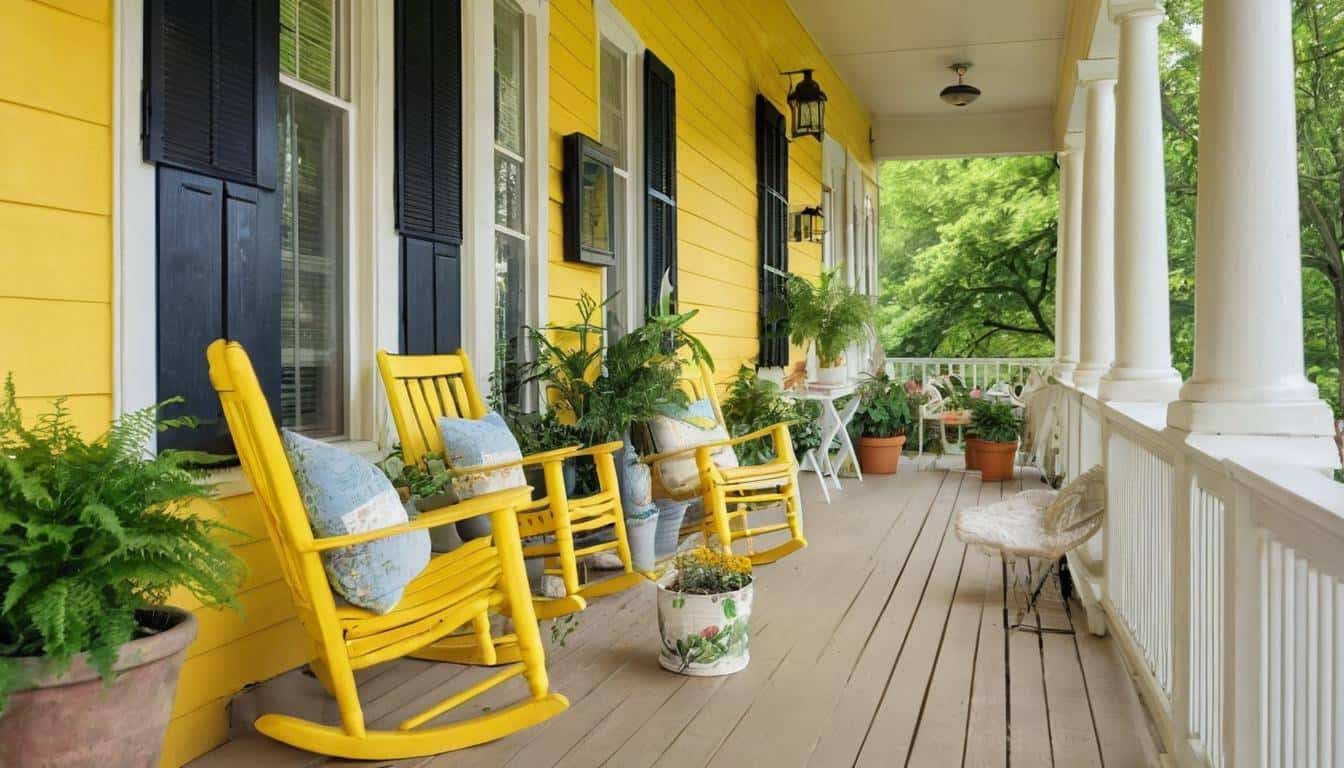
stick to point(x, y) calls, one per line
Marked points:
point(478, 162)
point(373, 247)
point(614, 27)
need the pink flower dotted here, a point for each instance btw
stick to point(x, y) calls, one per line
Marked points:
point(976, 393)
point(709, 631)
point(912, 387)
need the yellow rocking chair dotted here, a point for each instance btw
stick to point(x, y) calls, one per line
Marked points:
point(728, 492)
point(422, 388)
point(456, 589)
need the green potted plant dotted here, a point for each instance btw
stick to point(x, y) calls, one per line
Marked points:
point(831, 316)
point(753, 403)
point(884, 417)
point(998, 428)
point(704, 613)
point(94, 536)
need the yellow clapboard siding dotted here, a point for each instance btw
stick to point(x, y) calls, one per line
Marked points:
point(195, 733)
point(263, 569)
point(63, 347)
point(89, 413)
point(37, 70)
point(225, 670)
point(97, 10)
point(39, 266)
point(259, 608)
point(53, 160)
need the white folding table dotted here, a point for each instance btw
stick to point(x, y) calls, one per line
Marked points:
point(833, 425)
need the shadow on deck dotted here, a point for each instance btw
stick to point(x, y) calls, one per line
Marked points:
point(883, 644)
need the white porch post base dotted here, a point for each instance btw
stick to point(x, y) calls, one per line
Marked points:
point(1308, 418)
point(1133, 385)
point(1087, 376)
point(1064, 370)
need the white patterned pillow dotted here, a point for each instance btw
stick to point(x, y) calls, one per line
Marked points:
point(345, 494)
point(696, 425)
point(478, 442)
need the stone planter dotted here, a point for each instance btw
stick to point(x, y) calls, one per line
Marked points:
point(880, 455)
point(75, 719)
point(703, 635)
point(972, 454)
point(996, 460)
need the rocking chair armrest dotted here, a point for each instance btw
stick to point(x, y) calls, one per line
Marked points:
point(479, 505)
point(595, 450)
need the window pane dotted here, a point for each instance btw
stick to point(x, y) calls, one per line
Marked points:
point(510, 297)
point(613, 101)
point(308, 41)
point(312, 307)
point(509, 77)
point(508, 192)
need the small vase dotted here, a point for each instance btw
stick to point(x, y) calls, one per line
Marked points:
point(703, 635)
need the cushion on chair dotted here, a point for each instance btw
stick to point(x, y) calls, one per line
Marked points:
point(686, 428)
point(345, 494)
point(476, 442)
point(1038, 523)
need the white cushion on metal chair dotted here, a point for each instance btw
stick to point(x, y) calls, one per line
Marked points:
point(1038, 523)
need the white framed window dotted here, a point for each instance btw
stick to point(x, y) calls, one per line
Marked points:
point(620, 54)
point(314, 120)
point(511, 168)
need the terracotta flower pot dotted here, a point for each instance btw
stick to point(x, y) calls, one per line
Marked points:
point(74, 719)
point(996, 460)
point(880, 455)
point(972, 454)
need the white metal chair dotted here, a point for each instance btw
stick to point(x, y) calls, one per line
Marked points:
point(1041, 524)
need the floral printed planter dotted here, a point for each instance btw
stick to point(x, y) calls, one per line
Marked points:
point(703, 635)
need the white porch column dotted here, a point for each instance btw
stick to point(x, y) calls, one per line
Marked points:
point(1068, 277)
point(1142, 371)
point(1248, 372)
point(1097, 345)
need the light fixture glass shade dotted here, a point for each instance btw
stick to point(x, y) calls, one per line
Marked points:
point(959, 95)
point(809, 225)
point(807, 102)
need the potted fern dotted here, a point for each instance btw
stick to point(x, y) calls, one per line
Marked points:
point(94, 536)
point(831, 316)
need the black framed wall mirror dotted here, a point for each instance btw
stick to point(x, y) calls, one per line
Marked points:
point(590, 202)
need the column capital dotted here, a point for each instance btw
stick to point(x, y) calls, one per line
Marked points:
point(1098, 71)
point(1127, 9)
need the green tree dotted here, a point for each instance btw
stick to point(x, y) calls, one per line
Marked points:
point(968, 256)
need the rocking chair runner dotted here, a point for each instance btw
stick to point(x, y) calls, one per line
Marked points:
point(727, 492)
point(456, 589)
point(422, 388)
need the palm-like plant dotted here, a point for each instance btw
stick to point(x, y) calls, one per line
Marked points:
point(828, 313)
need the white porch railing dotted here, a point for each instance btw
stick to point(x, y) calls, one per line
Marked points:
point(1223, 583)
point(975, 371)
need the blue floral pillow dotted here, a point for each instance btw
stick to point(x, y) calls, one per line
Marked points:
point(345, 494)
point(476, 442)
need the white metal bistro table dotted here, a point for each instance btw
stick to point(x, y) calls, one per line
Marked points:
point(833, 425)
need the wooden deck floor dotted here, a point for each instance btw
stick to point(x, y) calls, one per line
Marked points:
point(881, 644)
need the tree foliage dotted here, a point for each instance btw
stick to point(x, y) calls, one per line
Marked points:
point(965, 244)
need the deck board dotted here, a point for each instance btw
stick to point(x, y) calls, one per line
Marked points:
point(883, 643)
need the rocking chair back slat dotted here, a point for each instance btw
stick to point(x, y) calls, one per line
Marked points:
point(424, 388)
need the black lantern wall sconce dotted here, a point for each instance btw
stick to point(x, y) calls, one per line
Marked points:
point(808, 225)
point(807, 102)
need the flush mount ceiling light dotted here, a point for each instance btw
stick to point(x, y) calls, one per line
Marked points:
point(961, 94)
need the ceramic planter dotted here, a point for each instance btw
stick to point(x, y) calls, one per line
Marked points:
point(641, 533)
point(972, 454)
point(75, 720)
point(996, 460)
point(880, 455)
point(832, 376)
point(703, 635)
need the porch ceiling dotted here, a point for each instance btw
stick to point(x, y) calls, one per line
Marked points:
point(895, 55)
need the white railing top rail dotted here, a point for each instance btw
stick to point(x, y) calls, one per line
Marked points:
point(1032, 361)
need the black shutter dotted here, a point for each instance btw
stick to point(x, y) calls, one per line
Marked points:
point(772, 211)
point(212, 72)
point(660, 173)
point(429, 172)
point(211, 68)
